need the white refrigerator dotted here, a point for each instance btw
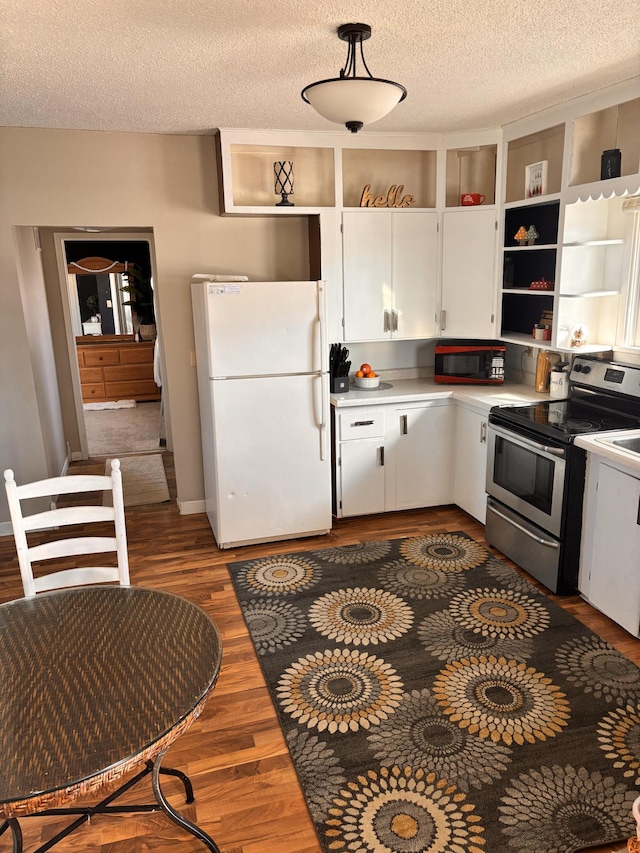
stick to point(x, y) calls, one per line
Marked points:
point(263, 383)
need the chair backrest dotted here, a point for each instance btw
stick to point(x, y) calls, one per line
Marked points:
point(76, 514)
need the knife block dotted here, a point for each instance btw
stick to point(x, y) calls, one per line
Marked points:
point(338, 384)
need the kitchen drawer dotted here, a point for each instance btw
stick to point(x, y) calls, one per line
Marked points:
point(90, 375)
point(128, 372)
point(140, 389)
point(93, 391)
point(360, 423)
point(99, 357)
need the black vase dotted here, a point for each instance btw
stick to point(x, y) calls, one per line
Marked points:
point(611, 164)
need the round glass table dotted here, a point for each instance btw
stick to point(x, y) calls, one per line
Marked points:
point(96, 682)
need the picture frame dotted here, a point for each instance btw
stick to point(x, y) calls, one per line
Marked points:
point(535, 179)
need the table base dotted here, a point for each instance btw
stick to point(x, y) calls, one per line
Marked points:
point(104, 807)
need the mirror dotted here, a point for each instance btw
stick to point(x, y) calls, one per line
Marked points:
point(110, 297)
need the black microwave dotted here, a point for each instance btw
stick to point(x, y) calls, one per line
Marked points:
point(470, 362)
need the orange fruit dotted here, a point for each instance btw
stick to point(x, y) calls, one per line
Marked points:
point(365, 368)
point(371, 375)
point(359, 374)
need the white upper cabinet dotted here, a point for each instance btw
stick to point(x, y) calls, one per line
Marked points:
point(390, 270)
point(389, 274)
point(468, 273)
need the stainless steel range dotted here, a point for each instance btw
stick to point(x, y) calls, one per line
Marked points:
point(535, 473)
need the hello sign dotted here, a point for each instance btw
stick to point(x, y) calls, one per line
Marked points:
point(393, 198)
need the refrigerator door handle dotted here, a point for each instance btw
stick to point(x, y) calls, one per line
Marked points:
point(324, 426)
point(322, 323)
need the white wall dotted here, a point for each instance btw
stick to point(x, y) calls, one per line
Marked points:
point(165, 184)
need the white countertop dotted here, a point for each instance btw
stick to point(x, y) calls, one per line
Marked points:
point(600, 446)
point(478, 397)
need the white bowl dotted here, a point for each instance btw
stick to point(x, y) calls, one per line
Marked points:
point(366, 383)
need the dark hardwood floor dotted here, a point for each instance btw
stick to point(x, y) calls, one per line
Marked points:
point(247, 794)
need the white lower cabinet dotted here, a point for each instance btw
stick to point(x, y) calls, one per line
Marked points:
point(420, 442)
point(359, 461)
point(609, 577)
point(390, 457)
point(470, 462)
point(362, 477)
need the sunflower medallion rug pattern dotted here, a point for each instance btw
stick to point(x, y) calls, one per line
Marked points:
point(434, 701)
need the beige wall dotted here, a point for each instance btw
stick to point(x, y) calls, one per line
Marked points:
point(165, 184)
point(38, 329)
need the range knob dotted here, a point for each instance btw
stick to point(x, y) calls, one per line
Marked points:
point(578, 368)
point(586, 369)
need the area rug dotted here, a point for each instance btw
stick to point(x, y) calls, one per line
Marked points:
point(434, 701)
point(143, 479)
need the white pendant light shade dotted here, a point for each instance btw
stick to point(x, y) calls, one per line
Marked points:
point(352, 99)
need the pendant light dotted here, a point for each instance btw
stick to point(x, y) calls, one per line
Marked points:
point(349, 99)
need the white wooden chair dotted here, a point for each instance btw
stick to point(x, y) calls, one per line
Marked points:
point(71, 546)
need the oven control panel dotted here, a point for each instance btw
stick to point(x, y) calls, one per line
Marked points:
point(596, 374)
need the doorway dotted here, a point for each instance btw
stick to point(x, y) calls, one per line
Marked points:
point(112, 342)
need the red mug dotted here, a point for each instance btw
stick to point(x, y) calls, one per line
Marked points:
point(471, 198)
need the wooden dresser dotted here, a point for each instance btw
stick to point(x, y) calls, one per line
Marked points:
point(116, 367)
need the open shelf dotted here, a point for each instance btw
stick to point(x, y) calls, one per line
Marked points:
point(471, 170)
point(616, 242)
point(593, 247)
point(529, 341)
point(615, 127)
point(521, 291)
point(253, 176)
point(380, 168)
point(546, 145)
point(593, 294)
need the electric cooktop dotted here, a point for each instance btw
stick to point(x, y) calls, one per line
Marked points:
point(564, 419)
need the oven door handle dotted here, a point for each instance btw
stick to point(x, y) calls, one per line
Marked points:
point(549, 543)
point(516, 437)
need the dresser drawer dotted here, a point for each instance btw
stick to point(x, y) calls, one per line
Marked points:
point(360, 423)
point(137, 353)
point(140, 389)
point(99, 357)
point(89, 375)
point(127, 372)
point(92, 391)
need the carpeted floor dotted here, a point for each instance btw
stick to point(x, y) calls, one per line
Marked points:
point(435, 702)
point(123, 430)
point(143, 479)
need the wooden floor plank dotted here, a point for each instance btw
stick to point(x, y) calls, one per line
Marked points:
point(247, 794)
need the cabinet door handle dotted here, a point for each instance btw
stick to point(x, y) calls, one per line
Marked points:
point(483, 432)
point(443, 320)
point(404, 427)
point(363, 423)
point(381, 449)
point(386, 327)
point(394, 321)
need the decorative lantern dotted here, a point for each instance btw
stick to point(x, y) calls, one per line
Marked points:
point(283, 171)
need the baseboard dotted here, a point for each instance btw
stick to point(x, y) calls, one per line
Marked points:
point(191, 507)
point(76, 456)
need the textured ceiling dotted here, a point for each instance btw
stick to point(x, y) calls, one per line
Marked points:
point(189, 66)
